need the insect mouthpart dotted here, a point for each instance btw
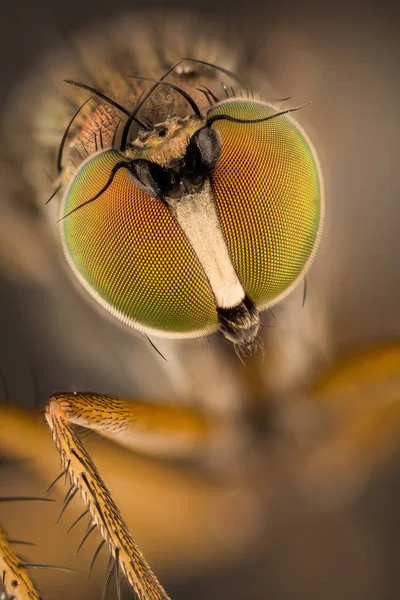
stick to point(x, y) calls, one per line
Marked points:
point(240, 324)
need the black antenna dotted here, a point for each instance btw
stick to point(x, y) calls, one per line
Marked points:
point(221, 69)
point(211, 120)
point(182, 92)
point(115, 134)
point(213, 96)
point(64, 137)
point(207, 96)
point(104, 97)
point(116, 168)
point(139, 105)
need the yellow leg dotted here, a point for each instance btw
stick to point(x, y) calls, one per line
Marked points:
point(131, 424)
point(14, 579)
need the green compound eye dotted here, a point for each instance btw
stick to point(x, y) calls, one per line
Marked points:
point(225, 226)
point(131, 255)
point(267, 190)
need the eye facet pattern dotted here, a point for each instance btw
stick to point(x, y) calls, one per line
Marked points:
point(129, 252)
point(236, 233)
point(267, 189)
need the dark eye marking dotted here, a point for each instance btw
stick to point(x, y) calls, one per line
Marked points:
point(203, 152)
point(153, 179)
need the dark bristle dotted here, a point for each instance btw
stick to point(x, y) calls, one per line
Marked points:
point(155, 348)
point(39, 566)
point(116, 168)
point(225, 89)
point(207, 95)
point(84, 147)
point(249, 121)
point(58, 478)
point(25, 499)
point(78, 519)
point(221, 69)
point(304, 292)
point(58, 188)
point(21, 543)
point(99, 547)
point(115, 134)
point(142, 99)
point(65, 135)
point(108, 581)
point(180, 91)
point(99, 94)
point(117, 574)
point(87, 433)
point(68, 498)
point(85, 537)
point(213, 96)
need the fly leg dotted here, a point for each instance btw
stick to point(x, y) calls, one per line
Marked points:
point(148, 427)
point(15, 581)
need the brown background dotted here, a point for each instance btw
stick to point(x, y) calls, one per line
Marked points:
point(345, 57)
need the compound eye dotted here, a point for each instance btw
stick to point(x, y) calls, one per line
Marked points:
point(129, 252)
point(267, 188)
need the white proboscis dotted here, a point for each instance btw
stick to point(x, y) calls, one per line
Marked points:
point(197, 216)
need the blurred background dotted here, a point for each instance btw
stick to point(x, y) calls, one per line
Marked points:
point(309, 505)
